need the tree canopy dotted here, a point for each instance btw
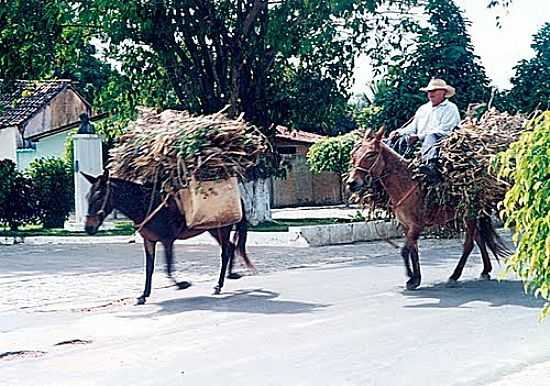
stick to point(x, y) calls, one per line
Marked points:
point(531, 82)
point(443, 50)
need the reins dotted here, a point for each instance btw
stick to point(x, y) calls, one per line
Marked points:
point(101, 211)
point(152, 214)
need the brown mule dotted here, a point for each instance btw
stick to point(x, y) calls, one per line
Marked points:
point(376, 160)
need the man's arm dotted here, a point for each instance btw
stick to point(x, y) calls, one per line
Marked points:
point(411, 128)
point(449, 120)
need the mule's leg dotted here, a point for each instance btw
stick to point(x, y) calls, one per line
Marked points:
point(224, 234)
point(405, 253)
point(412, 245)
point(230, 274)
point(487, 267)
point(468, 246)
point(150, 249)
point(169, 254)
point(231, 252)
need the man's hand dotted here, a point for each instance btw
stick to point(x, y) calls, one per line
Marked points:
point(412, 139)
point(394, 135)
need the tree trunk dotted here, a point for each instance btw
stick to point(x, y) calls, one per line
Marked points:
point(257, 200)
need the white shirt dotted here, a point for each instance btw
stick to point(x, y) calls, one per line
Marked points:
point(441, 119)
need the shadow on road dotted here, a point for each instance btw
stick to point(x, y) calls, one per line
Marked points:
point(496, 293)
point(256, 301)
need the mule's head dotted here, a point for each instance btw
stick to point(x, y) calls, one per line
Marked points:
point(99, 201)
point(366, 160)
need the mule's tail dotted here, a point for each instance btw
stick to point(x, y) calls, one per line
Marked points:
point(239, 240)
point(492, 239)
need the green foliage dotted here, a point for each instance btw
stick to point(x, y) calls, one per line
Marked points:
point(531, 82)
point(262, 60)
point(17, 198)
point(31, 37)
point(444, 50)
point(53, 184)
point(332, 154)
point(527, 205)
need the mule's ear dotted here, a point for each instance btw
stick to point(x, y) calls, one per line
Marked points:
point(105, 173)
point(379, 134)
point(367, 135)
point(89, 178)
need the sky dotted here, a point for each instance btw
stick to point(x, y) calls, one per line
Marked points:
point(499, 49)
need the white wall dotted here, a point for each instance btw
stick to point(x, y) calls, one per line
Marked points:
point(52, 146)
point(8, 141)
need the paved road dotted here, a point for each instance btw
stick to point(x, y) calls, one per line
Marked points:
point(314, 316)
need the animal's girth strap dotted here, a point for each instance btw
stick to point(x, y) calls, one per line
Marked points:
point(152, 214)
point(402, 200)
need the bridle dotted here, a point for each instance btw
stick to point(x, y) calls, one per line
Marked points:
point(101, 213)
point(380, 177)
point(369, 171)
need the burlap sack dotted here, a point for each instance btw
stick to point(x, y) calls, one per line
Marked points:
point(210, 204)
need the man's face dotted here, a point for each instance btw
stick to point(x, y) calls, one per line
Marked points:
point(436, 96)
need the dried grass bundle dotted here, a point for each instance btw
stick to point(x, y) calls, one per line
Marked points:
point(172, 146)
point(466, 164)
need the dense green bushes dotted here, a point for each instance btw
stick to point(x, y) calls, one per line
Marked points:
point(17, 197)
point(52, 182)
point(43, 194)
point(527, 205)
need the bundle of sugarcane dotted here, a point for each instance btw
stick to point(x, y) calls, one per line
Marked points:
point(470, 185)
point(170, 147)
point(373, 200)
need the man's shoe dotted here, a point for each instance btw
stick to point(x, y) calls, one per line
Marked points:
point(431, 172)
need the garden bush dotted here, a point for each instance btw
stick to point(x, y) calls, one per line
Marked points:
point(17, 198)
point(53, 184)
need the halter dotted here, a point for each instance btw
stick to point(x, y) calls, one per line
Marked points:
point(369, 170)
point(380, 178)
point(101, 212)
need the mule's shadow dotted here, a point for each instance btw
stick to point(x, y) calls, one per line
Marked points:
point(256, 301)
point(496, 293)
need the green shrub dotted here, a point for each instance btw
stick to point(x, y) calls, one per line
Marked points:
point(53, 185)
point(332, 154)
point(17, 198)
point(527, 205)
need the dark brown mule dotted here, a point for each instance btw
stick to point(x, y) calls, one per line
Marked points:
point(139, 204)
point(376, 160)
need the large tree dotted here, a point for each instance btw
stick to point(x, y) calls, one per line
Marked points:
point(260, 57)
point(444, 50)
point(531, 82)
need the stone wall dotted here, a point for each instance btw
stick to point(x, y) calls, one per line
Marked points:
point(302, 188)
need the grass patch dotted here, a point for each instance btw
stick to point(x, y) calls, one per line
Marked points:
point(283, 225)
point(126, 228)
point(122, 228)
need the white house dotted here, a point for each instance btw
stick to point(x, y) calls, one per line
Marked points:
point(29, 109)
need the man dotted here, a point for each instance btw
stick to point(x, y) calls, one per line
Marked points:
point(432, 122)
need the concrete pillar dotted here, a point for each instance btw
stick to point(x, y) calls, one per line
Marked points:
point(88, 158)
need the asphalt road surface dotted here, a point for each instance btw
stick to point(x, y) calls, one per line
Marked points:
point(335, 315)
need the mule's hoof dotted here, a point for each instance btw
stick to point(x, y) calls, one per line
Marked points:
point(234, 275)
point(485, 276)
point(451, 283)
point(217, 290)
point(413, 283)
point(140, 300)
point(183, 285)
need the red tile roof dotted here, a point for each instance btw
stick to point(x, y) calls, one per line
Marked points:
point(297, 135)
point(22, 99)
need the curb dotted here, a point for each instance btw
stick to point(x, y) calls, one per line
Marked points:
point(306, 236)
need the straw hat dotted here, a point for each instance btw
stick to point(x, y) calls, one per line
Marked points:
point(439, 84)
